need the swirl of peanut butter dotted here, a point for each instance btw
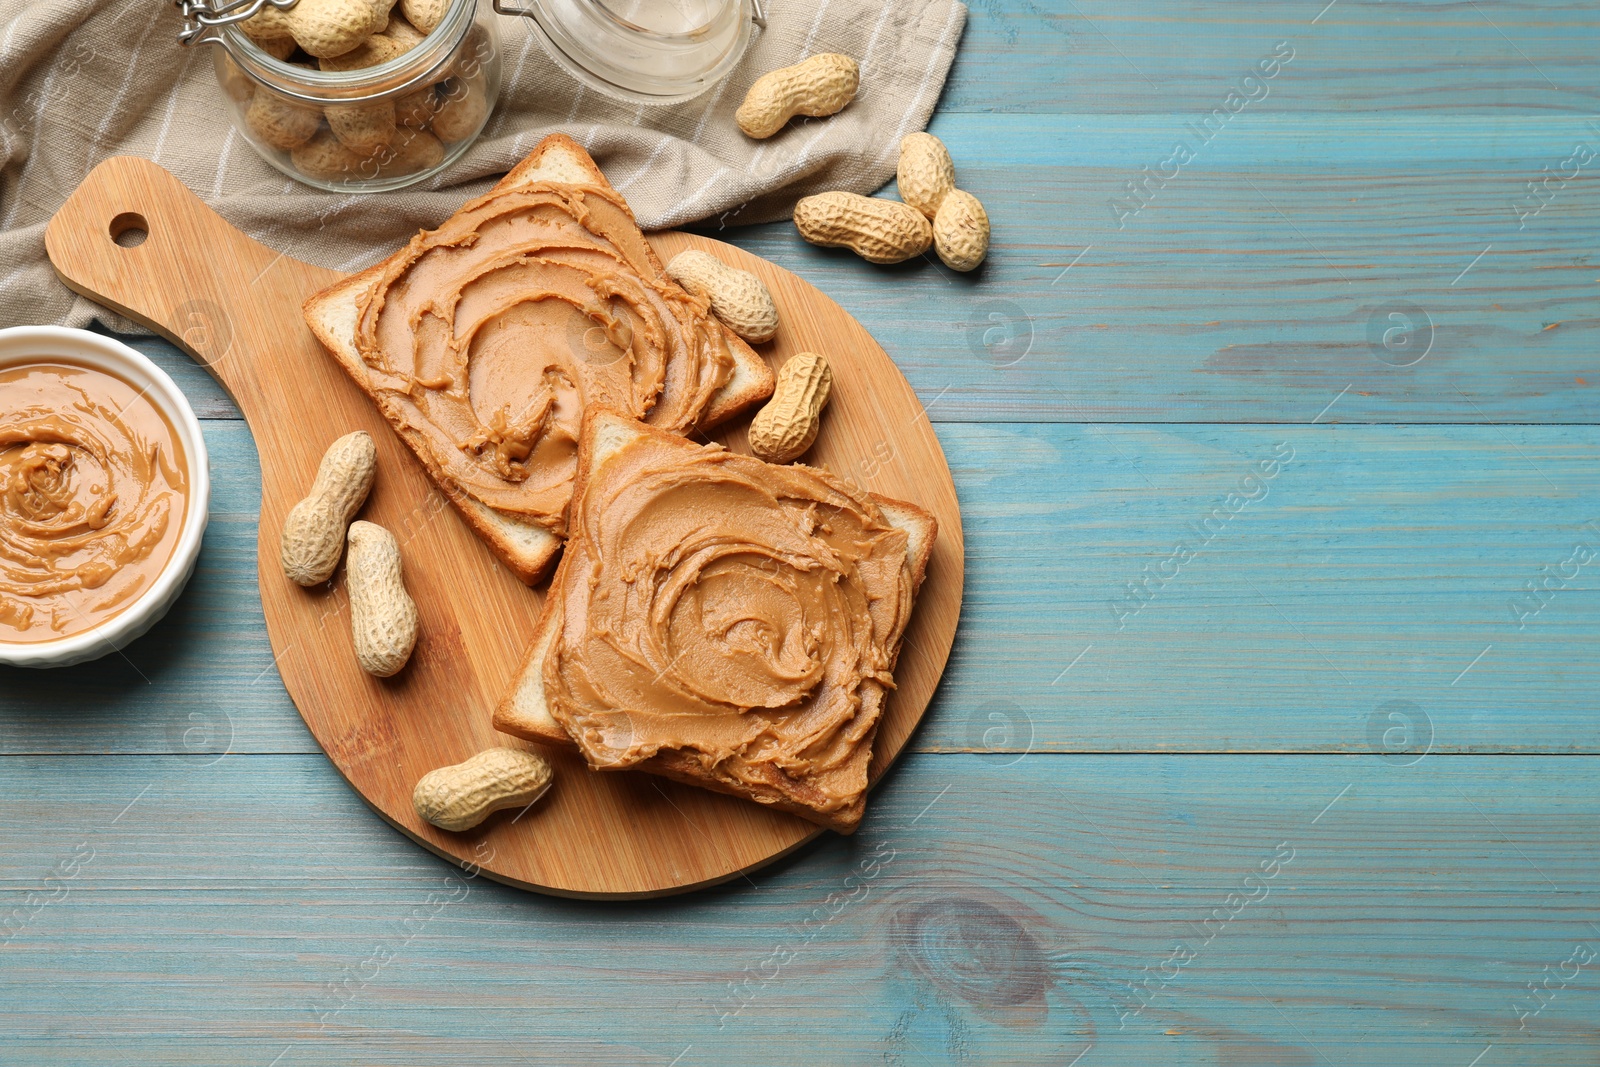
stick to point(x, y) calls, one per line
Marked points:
point(92, 496)
point(719, 606)
point(486, 338)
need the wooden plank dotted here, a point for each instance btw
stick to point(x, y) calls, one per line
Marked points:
point(256, 901)
point(1378, 567)
point(1257, 283)
point(1380, 564)
point(1170, 56)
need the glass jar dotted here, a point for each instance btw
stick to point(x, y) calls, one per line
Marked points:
point(643, 51)
point(372, 128)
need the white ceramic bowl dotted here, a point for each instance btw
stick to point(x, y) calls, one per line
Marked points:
point(29, 344)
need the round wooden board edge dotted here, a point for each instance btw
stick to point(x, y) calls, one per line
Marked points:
point(465, 859)
point(125, 182)
point(574, 894)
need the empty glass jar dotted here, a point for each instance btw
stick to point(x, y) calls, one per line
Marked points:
point(643, 51)
point(370, 119)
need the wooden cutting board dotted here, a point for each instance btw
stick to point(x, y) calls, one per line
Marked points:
point(234, 305)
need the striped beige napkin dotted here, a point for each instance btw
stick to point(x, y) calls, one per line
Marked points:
point(81, 80)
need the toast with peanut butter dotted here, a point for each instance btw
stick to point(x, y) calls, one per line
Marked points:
point(722, 621)
point(482, 342)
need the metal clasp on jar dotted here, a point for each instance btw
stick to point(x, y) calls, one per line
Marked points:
point(201, 16)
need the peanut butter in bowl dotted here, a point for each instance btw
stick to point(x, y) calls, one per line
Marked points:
point(92, 497)
point(101, 471)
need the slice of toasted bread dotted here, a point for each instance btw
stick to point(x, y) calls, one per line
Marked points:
point(524, 711)
point(525, 547)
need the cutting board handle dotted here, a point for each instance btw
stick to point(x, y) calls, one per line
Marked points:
point(134, 238)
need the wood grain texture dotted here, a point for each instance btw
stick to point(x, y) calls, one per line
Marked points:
point(1168, 56)
point(236, 304)
point(1257, 284)
point(985, 914)
point(1253, 286)
point(1380, 563)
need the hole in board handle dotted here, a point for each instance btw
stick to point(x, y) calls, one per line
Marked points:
point(129, 229)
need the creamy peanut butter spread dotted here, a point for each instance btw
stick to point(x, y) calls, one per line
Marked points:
point(93, 489)
point(486, 338)
point(741, 614)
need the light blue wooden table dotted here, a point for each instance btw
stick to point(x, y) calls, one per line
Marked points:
point(1319, 787)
